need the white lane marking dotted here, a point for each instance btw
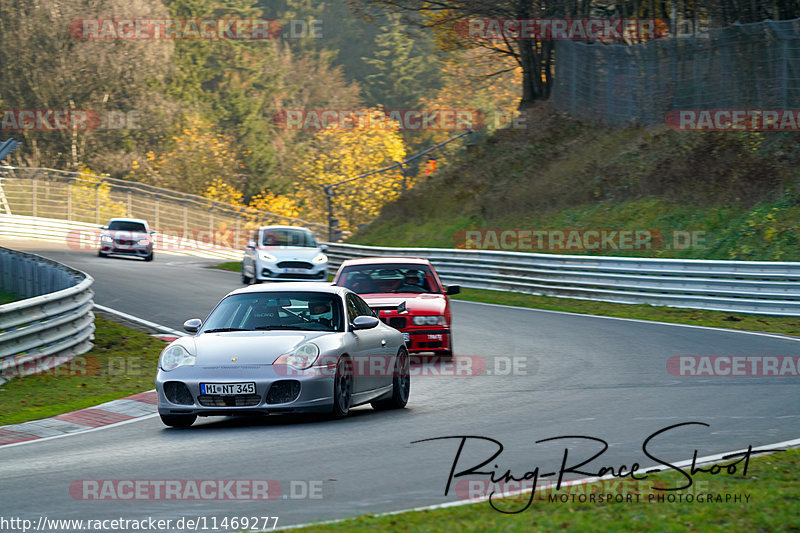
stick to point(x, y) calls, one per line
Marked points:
point(794, 443)
point(137, 320)
point(641, 321)
point(83, 432)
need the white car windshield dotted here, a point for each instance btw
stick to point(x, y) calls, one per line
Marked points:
point(288, 237)
point(125, 225)
point(305, 311)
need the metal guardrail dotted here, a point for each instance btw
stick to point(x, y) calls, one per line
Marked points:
point(760, 287)
point(86, 236)
point(81, 197)
point(54, 322)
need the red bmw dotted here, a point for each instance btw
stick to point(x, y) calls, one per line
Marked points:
point(387, 282)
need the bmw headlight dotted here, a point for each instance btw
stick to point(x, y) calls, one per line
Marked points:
point(143, 242)
point(320, 258)
point(437, 320)
point(174, 356)
point(301, 357)
point(264, 256)
point(105, 237)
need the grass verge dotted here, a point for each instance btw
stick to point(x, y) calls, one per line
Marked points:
point(232, 266)
point(122, 362)
point(698, 317)
point(771, 484)
point(6, 298)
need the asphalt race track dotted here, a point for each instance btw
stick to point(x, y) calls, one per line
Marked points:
point(575, 376)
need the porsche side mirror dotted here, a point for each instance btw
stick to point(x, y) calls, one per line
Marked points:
point(365, 322)
point(192, 325)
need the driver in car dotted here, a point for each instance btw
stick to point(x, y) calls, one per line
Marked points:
point(411, 282)
point(318, 308)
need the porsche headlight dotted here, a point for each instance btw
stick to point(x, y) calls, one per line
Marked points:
point(301, 357)
point(320, 258)
point(437, 320)
point(174, 356)
point(264, 256)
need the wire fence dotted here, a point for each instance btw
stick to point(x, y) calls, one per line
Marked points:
point(41, 192)
point(742, 66)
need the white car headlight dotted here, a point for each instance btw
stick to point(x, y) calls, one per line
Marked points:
point(174, 356)
point(301, 357)
point(105, 237)
point(320, 258)
point(437, 320)
point(264, 256)
point(142, 242)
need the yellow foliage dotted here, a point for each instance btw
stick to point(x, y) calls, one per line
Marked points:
point(222, 192)
point(91, 198)
point(265, 204)
point(342, 152)
point(193, 160)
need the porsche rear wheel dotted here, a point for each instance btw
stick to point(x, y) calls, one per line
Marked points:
point(401, 384)
point(342, 388)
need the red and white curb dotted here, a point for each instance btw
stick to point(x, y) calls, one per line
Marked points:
point(143, 404)
point(105, 414)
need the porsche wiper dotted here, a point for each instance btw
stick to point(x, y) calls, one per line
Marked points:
point(219, 330)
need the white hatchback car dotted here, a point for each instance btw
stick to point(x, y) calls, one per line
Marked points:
point(284, 253)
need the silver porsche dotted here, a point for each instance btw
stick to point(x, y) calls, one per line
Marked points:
point(283, 348)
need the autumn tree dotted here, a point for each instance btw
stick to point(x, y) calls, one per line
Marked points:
point(47, 65)
point(366, 142)
point(193, 159)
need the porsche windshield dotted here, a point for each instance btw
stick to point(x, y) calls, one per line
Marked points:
point(306, 311)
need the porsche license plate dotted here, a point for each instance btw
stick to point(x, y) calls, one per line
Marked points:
point(227, 388)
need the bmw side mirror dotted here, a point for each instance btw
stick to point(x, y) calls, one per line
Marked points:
point(323, 247)
point(192, 325)
point(453, 289)
point(365, 322)
point(152, 232)
point(103, 227)
point(251, 245)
